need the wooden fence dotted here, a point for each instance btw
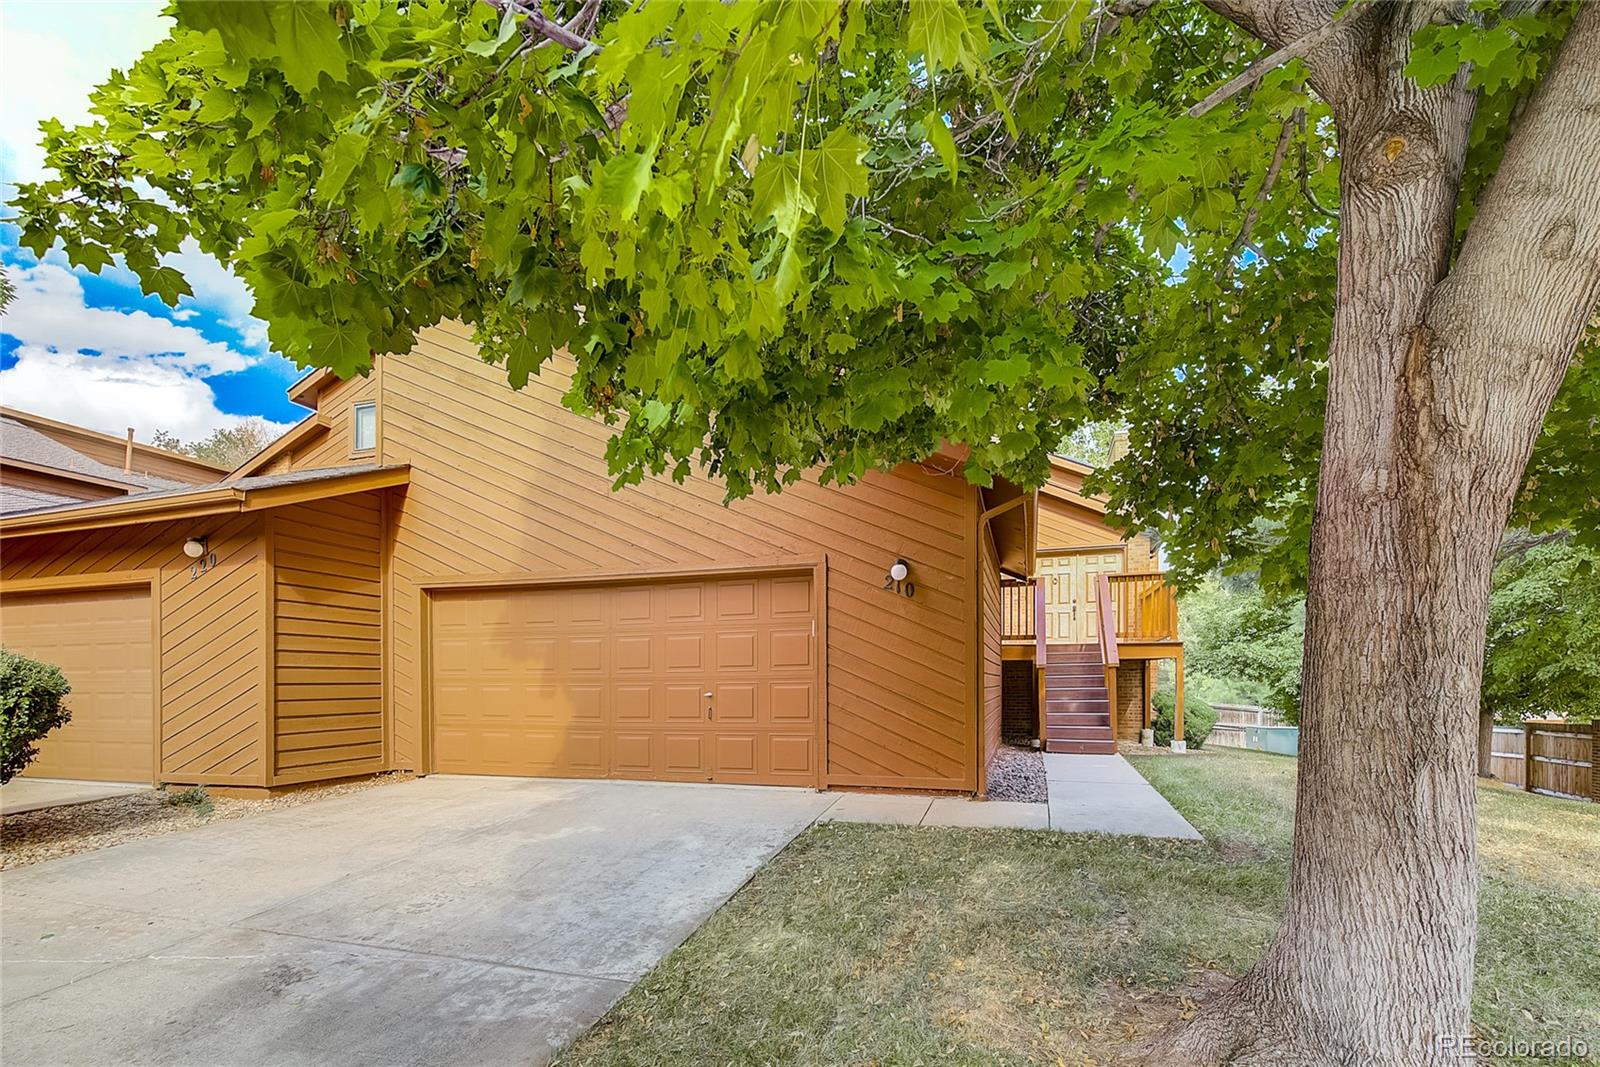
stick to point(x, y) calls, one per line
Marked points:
point(1548, 756)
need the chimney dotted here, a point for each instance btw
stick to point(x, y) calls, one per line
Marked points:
point(1119, 446)
point(127, 457)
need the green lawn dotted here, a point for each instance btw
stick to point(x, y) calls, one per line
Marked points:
point(888, 945)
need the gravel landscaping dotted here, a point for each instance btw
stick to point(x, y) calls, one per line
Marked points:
point(36, 836)
point(1017, 773)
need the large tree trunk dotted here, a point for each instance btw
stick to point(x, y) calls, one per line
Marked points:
point(1440, 375)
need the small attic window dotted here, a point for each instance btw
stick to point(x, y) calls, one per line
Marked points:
point(366, 427)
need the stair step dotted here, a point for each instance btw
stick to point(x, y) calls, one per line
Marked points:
point(1079, 707)
point(1078, 718)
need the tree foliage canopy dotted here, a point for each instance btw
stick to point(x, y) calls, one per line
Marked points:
point(1543, 655)
point(784, 236)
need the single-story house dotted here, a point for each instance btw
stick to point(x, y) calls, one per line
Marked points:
point(432, 573)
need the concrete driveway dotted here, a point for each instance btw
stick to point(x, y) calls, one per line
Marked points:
point(447, 920)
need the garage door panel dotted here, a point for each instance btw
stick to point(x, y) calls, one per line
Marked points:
point(101, 640)
point(625, 694)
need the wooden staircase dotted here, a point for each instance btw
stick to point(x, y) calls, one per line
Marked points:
point(1077, 706)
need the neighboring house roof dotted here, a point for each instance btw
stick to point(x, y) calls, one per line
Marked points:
point(241, 495)
point(16, 498)
point(109, 451)
point(24, 444)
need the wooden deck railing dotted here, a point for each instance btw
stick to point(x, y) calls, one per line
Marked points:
point(1016, 610)
point(1146, 607)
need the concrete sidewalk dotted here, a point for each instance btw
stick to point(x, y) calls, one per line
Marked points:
point(1104, 794)
point(902, 809)
point(33, 794)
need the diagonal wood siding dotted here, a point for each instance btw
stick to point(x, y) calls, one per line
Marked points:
point(212, 634)
point(328, 638)
point(512, 483)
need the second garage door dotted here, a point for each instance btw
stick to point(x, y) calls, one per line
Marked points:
point(101, 641)
point(712, 680)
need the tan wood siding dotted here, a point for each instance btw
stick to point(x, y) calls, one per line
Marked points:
point(993, 667)
point(328, 638)
point(102, 641)
point(1063, 524)
point(212, 632)
point(511, 483)
point(336, 447)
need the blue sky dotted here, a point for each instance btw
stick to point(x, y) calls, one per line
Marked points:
point(92, 349)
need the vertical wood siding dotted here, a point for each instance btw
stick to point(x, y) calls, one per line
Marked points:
point(212, 632)
point(993, 668)
point(328, 628)
point(511, 483)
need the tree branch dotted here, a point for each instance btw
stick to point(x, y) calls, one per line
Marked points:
point(1279, 153)
point(535, 21)
point(1295, 49)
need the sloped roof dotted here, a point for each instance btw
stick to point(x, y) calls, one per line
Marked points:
point(15, 498)
point(243, 494)
point(24, 444)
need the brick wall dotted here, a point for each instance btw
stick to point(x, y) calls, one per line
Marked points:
point(1019, 715)
point(1130, 699)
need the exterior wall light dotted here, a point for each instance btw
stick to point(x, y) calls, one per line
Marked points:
point(899, 571)
point(195, 547)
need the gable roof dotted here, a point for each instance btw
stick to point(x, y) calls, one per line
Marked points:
point(109, 451)
point(26, 446)
point(241, 495)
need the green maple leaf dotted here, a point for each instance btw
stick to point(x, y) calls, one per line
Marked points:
point(943, 143)
point(165, 282)
point(834, 173)
point(308, 44)
point(780, 193)
point(623, 181)
point(343, 346)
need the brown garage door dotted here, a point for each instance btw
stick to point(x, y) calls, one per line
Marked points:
point(702, 681)
point(101, 642)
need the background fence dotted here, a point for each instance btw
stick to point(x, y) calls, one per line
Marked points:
point(1548, 756)
point(1247, 726)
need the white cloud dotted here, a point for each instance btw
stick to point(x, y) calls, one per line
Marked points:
point(52, 55)
point(111, 393)
point(109, 369)
point(49, 313)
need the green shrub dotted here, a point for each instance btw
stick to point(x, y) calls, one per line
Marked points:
point(194, 797)
point(1198, 718)
point(30, 707)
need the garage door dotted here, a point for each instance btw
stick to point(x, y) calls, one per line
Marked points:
point(703, 681)
point(101, 642)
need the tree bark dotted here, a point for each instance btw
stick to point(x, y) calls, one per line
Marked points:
point(1440, 375)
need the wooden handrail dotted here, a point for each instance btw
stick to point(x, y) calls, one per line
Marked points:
point(1016, 610)
point(1107, 607)
point(1039, 628)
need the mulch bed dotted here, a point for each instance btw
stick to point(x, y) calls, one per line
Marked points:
point(1017, 773)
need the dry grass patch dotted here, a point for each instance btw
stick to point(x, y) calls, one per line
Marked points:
point(867, 945)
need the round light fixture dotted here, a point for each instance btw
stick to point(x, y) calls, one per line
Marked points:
point(899, 571)
point(195, 547)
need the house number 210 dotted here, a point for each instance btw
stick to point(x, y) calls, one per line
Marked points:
point(897, 581)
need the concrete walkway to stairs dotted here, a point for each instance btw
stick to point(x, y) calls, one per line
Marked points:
point(1104, 794)
point(1087, 794)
